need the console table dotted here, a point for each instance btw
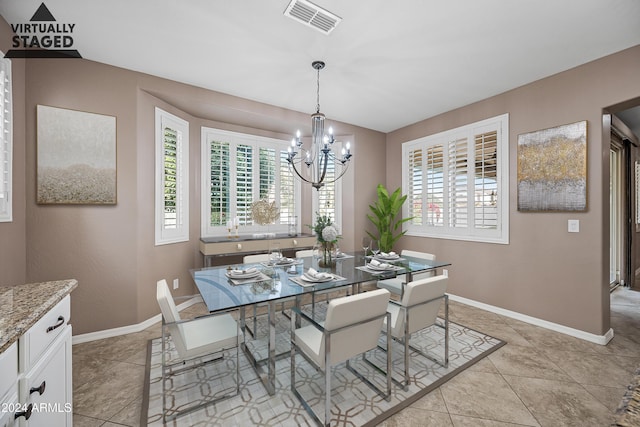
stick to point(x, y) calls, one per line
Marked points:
point(213, 247)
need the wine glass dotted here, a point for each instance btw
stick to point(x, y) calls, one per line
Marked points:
point(375, 248)
point(365, 246)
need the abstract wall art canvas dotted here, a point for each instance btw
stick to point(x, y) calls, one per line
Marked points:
point(552, 169)
point(76, 157)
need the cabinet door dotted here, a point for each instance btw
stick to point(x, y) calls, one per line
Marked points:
point(48, 386)
point(9, 408)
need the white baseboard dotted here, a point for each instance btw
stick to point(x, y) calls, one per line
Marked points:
point(587, 336)
point(597, 339)
point(123, 330)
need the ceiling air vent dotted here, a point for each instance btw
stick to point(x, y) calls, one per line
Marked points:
point(312, 15)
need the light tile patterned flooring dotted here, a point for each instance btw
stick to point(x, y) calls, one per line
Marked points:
point(540, 378)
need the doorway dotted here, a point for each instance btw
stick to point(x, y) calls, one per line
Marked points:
point(616, 210)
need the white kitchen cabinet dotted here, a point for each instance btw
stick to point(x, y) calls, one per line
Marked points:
point(9, 385)
point(9, 405)
point(44, 380)
point(47, 386)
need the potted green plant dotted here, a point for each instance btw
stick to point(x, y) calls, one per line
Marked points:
point(385, 217)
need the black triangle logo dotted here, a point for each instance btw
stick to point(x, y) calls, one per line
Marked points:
point(42, 14)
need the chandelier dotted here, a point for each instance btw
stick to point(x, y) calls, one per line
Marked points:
point(320, 154)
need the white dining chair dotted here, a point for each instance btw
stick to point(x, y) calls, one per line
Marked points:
point(418, 310)
point(205, 337)
point(394, 285)
point(351, 327)
point(256, 258)
point(305, 253)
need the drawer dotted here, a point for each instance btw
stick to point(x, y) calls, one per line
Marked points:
point(8, 368)
point(254, 246)
point(40, 336)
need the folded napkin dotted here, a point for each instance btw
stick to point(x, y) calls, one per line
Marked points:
point(317, 275)
point(388, 255)
point(243, 272)
point(378, 264)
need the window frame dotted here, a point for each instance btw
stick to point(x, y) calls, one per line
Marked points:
point(234, 139)
point(6, 142)
point(165, 235)
point(500, 234)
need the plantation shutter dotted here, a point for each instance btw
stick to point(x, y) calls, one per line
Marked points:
point(244, 183)
point(486, 183)
point(171, 143)
point(6, 142)
point(267, 172)
point(219, 174)
point(434, 184)
point(287, 191)
point(327, 194)
point(457, 182)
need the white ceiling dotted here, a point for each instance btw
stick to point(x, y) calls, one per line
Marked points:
point(389, 64)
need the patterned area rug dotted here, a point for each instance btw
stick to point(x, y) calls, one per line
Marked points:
point(354, 404)
point(628, 413)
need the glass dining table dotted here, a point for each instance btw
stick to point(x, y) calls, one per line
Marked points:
point(222, 291)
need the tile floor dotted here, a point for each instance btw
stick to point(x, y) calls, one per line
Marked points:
point(540, 378)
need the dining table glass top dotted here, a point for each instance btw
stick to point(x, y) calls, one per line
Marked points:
point(221, 290)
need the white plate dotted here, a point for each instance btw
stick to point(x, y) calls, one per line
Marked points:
point(316, 280)
point(246, 275)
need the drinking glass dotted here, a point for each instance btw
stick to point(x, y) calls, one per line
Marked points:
point(274, 252)
point(375, 248)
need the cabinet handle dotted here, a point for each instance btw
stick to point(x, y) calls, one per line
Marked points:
point(239, 246)
point(26, 414)
point(38, 389)
point(295, 242)
point(57, 325)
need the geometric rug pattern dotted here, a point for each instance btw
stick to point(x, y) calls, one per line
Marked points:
point(353, 402)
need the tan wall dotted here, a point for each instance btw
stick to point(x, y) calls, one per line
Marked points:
point(13, 251)
point(110, 249)
point(544, 272)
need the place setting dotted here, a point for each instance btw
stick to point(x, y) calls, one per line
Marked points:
point(313, 277)
point(245, 276)
point(375, 266)
point(282, 262)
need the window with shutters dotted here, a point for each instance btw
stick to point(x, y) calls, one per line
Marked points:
point(172, 178)
point(6, 141)
point(457, 183)
point(238, 170)
point(324, 200)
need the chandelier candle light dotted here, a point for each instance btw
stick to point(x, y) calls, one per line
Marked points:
point(318, 156)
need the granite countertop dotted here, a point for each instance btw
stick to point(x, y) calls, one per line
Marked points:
point(23, 305)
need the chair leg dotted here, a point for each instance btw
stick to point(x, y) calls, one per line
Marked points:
point(327, 381)
point(446, 330)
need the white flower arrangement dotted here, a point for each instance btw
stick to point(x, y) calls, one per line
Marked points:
point(330, 234)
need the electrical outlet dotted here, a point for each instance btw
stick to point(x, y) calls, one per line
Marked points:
point(176, 283)
point(445, 272)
